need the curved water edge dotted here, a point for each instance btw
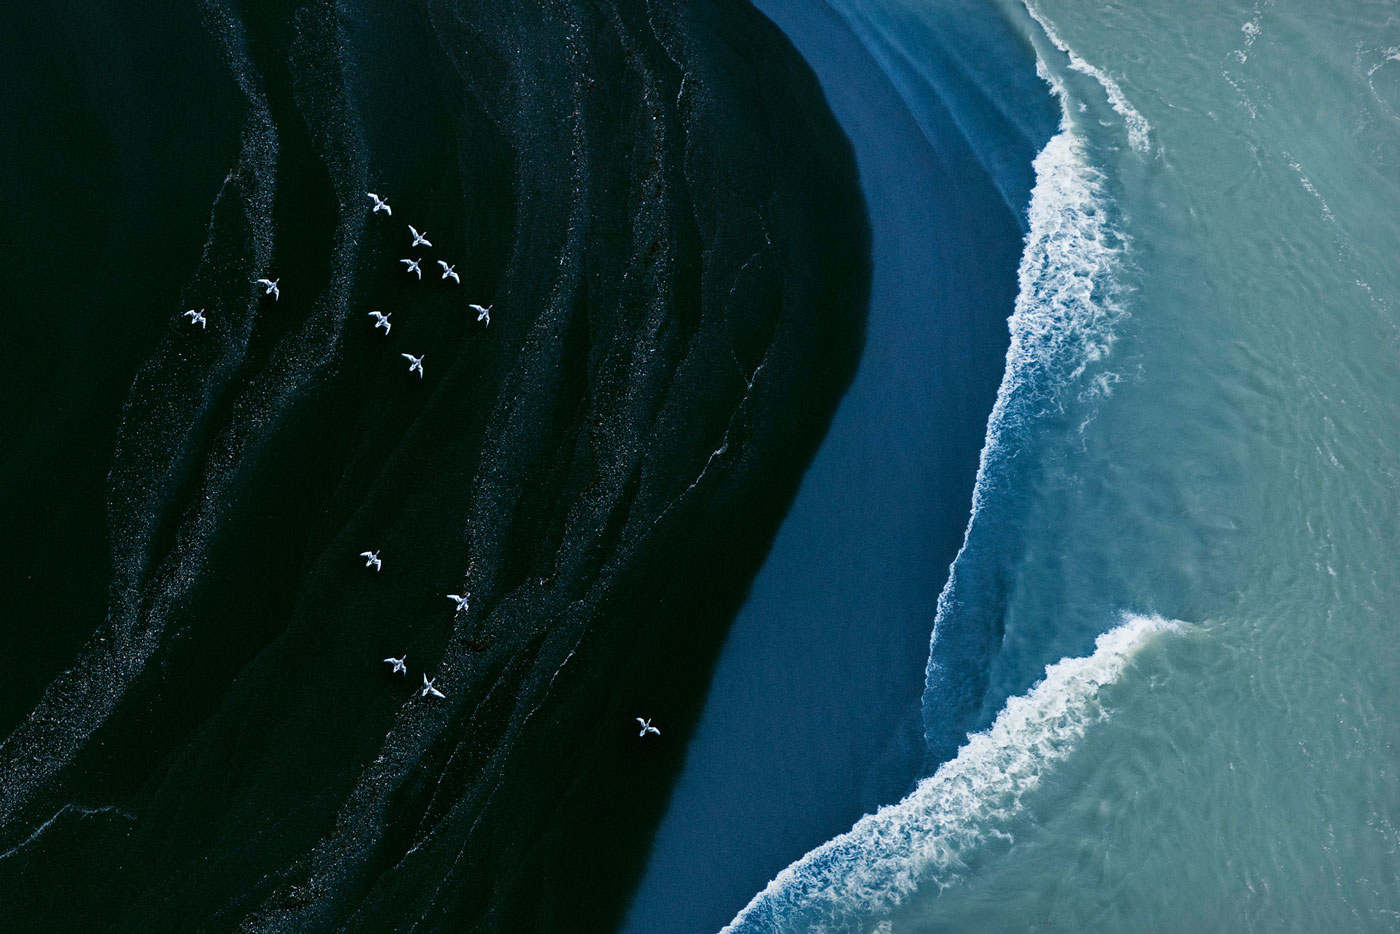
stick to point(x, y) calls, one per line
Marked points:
point(1062, 329)
point(1074, 276)
point(1215, 442)
point(852, 883)
point(839, 614)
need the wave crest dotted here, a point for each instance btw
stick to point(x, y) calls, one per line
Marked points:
point(847, 883)
point(1139, 130)
point(1062, 327)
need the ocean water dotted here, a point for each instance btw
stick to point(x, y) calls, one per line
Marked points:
point(1163, 671)
point(812, 716)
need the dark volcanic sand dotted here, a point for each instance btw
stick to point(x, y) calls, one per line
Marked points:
point(666, 217)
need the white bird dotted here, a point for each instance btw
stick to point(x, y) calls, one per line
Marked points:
point(429, 689)
point(419, 237)
point(412, 265)
point(380, 204)
point(447, 272)
point(372, 559)
point(460, 601)
point(647, 727)
point(381, 320)
point(399, 667)
point(197, 317)
point(414, 363)
point(482, 314)
point(271, 286)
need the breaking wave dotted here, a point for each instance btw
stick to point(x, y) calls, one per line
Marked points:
point(1062, 329)
point(851, 882)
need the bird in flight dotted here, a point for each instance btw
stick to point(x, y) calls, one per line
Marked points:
point(482, 313)
point(372, 559)
point(399, 667)
point(271, 286)
point(380, 204)
point(197, 317)
point(381, 320)
point(414, 363)
point(647, 727)
point(461, 601)
point(447, 272)
point(419, 237)
point(429, 689)
point(412, 265)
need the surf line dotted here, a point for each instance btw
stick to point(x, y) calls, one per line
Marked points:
point(871, 869)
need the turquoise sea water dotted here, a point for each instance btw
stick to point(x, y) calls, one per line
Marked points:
point(1186, 507)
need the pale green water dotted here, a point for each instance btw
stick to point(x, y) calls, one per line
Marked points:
point(1243, 477)
point(1221, 447)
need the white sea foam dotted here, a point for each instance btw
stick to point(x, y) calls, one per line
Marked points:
point(1062, 327)
point(850, 882)
point(1068, 299)
point(1139, 130)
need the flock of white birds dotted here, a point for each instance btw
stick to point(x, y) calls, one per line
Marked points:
point(415, 365)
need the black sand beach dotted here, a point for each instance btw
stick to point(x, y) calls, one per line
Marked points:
point(665, 217)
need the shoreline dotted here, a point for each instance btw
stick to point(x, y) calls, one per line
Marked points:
point(832, 643)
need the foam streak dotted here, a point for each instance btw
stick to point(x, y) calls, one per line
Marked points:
point(1062, 327)
point(850, 882)
point(1139, 130)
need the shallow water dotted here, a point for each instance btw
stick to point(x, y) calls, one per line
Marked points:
point(1198, 423)
point(812, 716)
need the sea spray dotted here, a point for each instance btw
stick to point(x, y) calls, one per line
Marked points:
point(1138, 129)
point(850, 882)
point(1062, 328)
